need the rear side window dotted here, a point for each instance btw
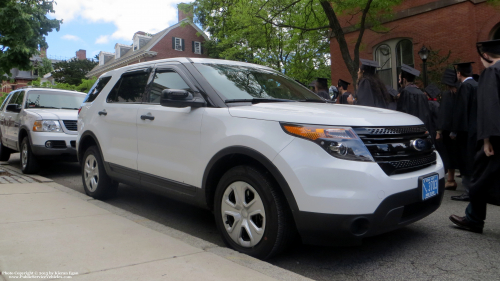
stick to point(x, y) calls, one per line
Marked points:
point(130, 88)
point(97, 88)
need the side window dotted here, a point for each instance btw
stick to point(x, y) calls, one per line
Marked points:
point(165, 79)
point(17, 99)
point(130, 88)
point(96, 89)
point(6, 101)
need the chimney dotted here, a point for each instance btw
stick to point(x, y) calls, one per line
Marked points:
point(81, 54)
point(140, 33)
point(183, 15)
point(43, 52)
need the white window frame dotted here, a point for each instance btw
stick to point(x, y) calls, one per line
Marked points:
point(197, 47)
point(393, 44)
point(178, 44)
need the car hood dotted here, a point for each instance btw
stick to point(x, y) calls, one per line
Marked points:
point(59, 114)
point(324, 114)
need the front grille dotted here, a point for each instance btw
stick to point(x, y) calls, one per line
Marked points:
point(394, 149)
point(71, 125)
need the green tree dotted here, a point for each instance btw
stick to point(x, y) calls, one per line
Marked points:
point(23, 27)
point(44, 67)
point(83, 87)
point(72, 71)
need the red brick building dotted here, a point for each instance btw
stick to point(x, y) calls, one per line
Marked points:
point(446, 25)
point(183, 39)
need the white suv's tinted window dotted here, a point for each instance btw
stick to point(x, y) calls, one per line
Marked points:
point(165, 80)
point(97, 88)
point(17, 99)
point(130, 88)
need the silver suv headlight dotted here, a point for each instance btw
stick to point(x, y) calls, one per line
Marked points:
point(341, 142)
point(47, 126)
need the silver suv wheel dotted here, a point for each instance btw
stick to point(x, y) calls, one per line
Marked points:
point(91, 172)
point(243, 214)
point(24, 155)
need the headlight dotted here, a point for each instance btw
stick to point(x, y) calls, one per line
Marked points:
point(341, 142)
point(47, 126)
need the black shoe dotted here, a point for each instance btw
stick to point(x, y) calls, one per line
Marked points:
point(463, 197)
point(463, 223)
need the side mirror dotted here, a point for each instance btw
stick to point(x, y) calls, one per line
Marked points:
point(14, 108)
point(180, 98)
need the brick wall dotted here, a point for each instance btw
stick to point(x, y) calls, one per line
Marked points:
point(457, 28)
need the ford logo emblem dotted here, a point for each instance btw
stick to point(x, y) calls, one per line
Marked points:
point(419, 144)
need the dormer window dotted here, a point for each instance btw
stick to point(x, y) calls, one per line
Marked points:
point(177, 44)
point(197, 47)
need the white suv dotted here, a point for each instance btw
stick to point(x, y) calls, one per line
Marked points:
point(40, 123)
point(270, 158)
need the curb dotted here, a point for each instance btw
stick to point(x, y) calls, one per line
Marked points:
point(226, 253)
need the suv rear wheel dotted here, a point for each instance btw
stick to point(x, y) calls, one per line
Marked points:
point(29, 163)
point(4, 152)
point(96, 182)
point(251, 213)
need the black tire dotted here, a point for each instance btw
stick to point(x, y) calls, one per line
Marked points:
point(4, 152)
point(279, 228)
point(29, 163)
point(96, 182)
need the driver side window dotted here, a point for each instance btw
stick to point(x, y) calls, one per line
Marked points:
point(17, 99)
point(165, 79)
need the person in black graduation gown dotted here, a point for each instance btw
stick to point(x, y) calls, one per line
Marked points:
point(412, 100)
point(446, 125)
point(371, 90)
point(465, 120)
point(487, 161)
point(393, 104)
point(321, 88)
point(344, 94)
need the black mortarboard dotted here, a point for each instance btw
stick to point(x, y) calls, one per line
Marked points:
point(369, 66)
point(492, 46)
point(391, 91)
point(464, 67)
point(344, 84)
point(449, 77)
point(410, 70)
point(432, 90)
point(323, 82)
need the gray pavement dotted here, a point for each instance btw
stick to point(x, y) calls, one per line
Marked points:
point(431, 249)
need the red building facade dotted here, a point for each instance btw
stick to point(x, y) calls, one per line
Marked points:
point(445, 25)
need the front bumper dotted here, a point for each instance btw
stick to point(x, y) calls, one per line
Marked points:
point(394, 212)
point(40, 150)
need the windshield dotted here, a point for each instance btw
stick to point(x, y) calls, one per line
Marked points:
point(246, 83)
point(58, 100)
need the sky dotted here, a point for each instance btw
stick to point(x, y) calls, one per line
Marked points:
point(97, 25)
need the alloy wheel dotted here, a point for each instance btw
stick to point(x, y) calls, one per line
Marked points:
point(24, 155)
point(91, 173)
point(243, 214)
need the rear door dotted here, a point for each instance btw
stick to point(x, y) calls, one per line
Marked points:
point(169, 138)
point(117, 129)
point(4, 118)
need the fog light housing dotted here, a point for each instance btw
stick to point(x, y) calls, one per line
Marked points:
point(48, 144)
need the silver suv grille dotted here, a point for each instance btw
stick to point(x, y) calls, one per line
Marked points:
point(71, 125)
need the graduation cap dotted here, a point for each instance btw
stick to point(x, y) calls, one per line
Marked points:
point(344, 84)
point(391, 91)
point(432, 90)
point(464, 67)
point(449, 77)
point(492, 46)
point(410, 70)
point(323, 82)
point(369, 66)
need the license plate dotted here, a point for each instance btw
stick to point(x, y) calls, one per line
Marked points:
point(430, 186)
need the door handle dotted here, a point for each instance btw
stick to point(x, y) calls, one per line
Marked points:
point(102, 113)
point(147, 117)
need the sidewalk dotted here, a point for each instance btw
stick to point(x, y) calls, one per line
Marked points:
point(47, 230)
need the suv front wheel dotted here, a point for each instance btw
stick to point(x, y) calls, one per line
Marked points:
point(29, 163)
point(251, 213)
point(96, 182)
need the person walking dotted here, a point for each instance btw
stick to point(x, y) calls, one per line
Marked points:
point(371, 90)
point(487, 161)
point(465, 120)
point(445, 126)
point(321, 88)
point(344, 94)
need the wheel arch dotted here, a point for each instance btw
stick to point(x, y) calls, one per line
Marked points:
point(236, 155)
point(87, 139)
point(23, 132)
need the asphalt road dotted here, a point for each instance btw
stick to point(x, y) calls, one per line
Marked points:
point(431, 249)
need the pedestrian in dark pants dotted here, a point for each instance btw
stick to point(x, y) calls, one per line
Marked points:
point(487, 161)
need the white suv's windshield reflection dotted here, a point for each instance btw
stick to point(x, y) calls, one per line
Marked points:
point(56, 100)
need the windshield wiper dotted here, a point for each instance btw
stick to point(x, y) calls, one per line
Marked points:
point(254, 101)
point(314, 100)
point(69, 108)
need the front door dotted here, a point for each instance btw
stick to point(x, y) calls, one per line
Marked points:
point(169, 138)
point(13, 119)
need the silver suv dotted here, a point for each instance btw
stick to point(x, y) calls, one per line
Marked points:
point(40, 123)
